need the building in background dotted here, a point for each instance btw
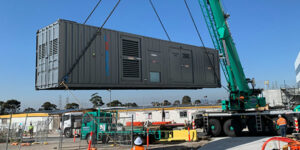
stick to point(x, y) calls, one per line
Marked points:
point(38, 120)
point(297, 69)
point(273, 97)
point(284, 96)
point(180, 114)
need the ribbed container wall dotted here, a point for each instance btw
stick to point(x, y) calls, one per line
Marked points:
point(118, 60)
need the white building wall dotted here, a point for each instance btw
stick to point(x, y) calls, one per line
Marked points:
point(273, 97)
point(171, 115)
point(21, 121)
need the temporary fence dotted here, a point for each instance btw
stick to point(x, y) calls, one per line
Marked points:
point(107, 131)
point(81, 131)
point(15, 131)
point(42, 130)
point(99, 132)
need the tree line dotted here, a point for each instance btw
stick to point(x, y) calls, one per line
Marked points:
point(186, 100)
point(13, 106)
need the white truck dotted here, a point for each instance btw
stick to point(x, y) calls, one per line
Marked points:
point(71, 123)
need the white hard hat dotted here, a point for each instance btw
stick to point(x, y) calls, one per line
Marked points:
point(279, 115)
point(138, 141)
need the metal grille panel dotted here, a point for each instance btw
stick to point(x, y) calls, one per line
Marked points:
point(55, 46)
point(130, 48)
point(43, 50)
point(131, 68)
point(50, 48)
point(40, 52)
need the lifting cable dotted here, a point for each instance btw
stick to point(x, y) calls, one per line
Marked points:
point(65, 78)
point(199, 35)
point(160, 20)
point(92, 12)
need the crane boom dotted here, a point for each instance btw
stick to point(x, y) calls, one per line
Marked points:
point(241, 96)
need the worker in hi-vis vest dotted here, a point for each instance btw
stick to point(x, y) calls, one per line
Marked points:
point(281, 122)
point(138, 144)
point(31, 130)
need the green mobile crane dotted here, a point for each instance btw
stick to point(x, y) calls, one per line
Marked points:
point(239, 111)
point(241, 97)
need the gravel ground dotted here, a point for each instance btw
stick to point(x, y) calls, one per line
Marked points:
point(220, 143)
point(236, 143)
point(68, 144)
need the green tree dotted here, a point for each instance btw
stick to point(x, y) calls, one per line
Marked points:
point(48, 106)
point(11, 106)
point(96, 100)
point(155, 104)
point(29, 109)
point(130, 105)
point(197, 102)
point(1, 107)
point(114, 103)
point(72, 106)
point(176, 102)
point(166, 103)
point(186, 100)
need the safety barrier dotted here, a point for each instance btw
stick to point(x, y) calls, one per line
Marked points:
point(296, 125)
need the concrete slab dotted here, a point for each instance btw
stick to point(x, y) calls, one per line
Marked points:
point(236, 143)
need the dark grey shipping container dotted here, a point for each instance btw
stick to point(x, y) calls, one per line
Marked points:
point(118, 60)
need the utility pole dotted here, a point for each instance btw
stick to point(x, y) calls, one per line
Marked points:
point(109, 90)
point(59, 102)
point(67, 100)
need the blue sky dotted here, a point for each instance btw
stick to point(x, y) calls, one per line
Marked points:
point(266, 35)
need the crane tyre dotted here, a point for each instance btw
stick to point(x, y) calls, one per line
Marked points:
point(232, 127)
point(215, 127)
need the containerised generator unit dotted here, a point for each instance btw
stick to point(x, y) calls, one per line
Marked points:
point(118, 60)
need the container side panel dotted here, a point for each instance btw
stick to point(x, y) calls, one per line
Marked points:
point(175, 65)
point(110, 57)
point(113, 55)
point(165, 73)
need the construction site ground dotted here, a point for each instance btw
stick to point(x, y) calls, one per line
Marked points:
point(220, 143)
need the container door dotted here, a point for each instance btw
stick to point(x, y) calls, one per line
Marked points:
point(47, 57)
point(187, 65)
point(154, 59)
point(209, 70)
point(175, 65)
